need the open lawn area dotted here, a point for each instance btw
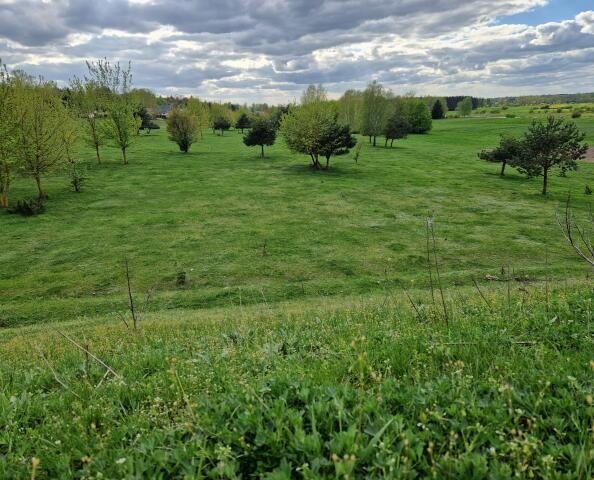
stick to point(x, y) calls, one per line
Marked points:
point(245, 229)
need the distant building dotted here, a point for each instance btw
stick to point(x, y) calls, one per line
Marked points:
point(164, 110)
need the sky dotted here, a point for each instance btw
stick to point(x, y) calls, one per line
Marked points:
point(270, 50)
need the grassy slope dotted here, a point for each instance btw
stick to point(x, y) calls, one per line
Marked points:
point(366, 389)
point(356, 229)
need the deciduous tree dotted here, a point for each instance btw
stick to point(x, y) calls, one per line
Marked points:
point(8, 126)
point(374, 109)
point(119, 103)
point(464, 107)
point(42, 120)
point(183, 128)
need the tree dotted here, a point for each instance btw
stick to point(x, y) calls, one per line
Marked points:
point(119, 103)
point(437, 111)
point(220, 118)
point(507, 153)
point(336, 140)
point(221, 123)
point(464, 107)
point(349, 109)
point(397, 127)
point(419, 117)
point(243, 122)
point(554, 143)
point(261, 133)
point(146, 120)
point(200, 112)
point(183, 128)
point(314, 93)
point(68, 137)
point(42, 121)
point(373, 114)
point(312, 129)
point(8, 126)
point(86, 100)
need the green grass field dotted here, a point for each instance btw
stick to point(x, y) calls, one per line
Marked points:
point(294, 350)
point(242, 226)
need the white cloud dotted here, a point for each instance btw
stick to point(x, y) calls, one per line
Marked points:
point(268, 50)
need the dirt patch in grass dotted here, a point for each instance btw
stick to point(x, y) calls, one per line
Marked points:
point(590, 155)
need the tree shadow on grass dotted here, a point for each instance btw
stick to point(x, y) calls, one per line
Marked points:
point(334, 170)
point(508, 178)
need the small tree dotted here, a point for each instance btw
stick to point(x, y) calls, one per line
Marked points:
point(555, 143)
point(419, 117)
point(336, 140)
point(243, 122)
point(87, 103)
point(314, 93)
point(200, 112)
point(119, 102)
point(147, 122)
point(396, 127)
point(262, 133)
point(464, 107)
point(68, 137)
point(374, 109)
point(43, 121)
point(437, 111)
point(222, 124)
point(313, 129)
point(578, 237)
point(8, 128)
point(183, 128)
point(507, 153)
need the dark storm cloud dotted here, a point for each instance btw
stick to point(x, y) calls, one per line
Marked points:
point(243, 47)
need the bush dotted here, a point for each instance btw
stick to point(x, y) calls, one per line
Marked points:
point(495, 110)
point(510, 115)
point(576, 114)
point(588, 190)
point(183, 129)
point(28, 208)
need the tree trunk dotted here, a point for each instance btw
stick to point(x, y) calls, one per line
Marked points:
point(3, 200)
point(41, 194)
point(262, 154)
point(545, 180)
point(369, 138)
point(386, 144)
point(327, 163)
point(124, 158)
point(374, 140)
point(391, 143)
point(97, 152)
point(503, 165)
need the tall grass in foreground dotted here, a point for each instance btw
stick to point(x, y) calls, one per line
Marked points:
point(360, 389)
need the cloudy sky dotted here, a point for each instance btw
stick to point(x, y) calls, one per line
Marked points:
point(269, 50)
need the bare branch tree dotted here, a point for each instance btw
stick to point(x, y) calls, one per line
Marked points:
point(577, 236)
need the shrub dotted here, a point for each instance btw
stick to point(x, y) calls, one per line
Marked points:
point(182, 128)
point(576, 114)
point(588, 190)
point(28, 208)
point(510, 115)
point(495, 110)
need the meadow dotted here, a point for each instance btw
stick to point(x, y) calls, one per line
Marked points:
point(304, 340)
point(241, 227)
